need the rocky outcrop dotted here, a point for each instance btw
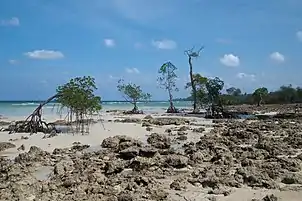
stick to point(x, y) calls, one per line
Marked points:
point(6, 145)
point(230, 156)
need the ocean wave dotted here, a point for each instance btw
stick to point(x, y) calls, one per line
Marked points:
point(25, 104)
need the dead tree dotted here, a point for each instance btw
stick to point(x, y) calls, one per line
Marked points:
point(34, 123)
point(193, 54)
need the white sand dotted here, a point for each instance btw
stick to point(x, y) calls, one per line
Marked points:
point(98, 132)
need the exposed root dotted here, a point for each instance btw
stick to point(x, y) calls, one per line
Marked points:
point(34, 123)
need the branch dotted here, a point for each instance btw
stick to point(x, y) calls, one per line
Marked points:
point(127, 99)
point(201, 48)
point(189, 51)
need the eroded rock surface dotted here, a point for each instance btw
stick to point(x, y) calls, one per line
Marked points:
point(258, 154)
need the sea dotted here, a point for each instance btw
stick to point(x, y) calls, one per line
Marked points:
point(24, 108)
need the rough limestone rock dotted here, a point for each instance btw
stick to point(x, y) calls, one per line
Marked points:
point(148, 117)
point(6, 145)
point(129, 120)
point(111, 142)
point(199, 130)
point(176, 161)
point(21, 148)
point(159, 141)
point(168, 121)
point(129, 153)
point(34, 154)
point(147, 152)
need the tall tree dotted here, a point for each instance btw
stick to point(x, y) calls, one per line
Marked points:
point(193, 54)
point(201, 90)
point(133, 94)
point(214, 87)
point(167, 81)
point(259, 95)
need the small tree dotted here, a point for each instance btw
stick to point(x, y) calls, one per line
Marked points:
point(233, 91)
point(78, 97)
point(214, 87)
point(193, 54)
point(201, 90)
point(259, 95)
point(133, 94)
point(167, 81)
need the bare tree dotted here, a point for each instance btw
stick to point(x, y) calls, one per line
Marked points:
point(193, 54)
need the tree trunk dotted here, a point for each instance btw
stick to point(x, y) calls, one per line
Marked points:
point(193, 86)
point(171, 108)
point(259, 101)
point(34, 123)
point(135, 108)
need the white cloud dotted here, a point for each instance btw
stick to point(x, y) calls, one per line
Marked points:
point(109, 42)
point(230, 60)
point(278, 57)
point(164, 44)
point(12, 61)
point(251, 77)
point(44, 54)
point(132, 70)
point(14, 21)
point(299, 35)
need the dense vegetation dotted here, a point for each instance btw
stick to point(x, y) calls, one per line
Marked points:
point(78, 97)
point(284, 95)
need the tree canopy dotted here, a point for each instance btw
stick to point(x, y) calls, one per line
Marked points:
point(78, 97)
point(167, 81)
point(133, 94)
point(259, 94)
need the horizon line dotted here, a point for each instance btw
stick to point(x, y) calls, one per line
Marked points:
point(177, 99)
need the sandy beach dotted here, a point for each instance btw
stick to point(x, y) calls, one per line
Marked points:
point(191, 159)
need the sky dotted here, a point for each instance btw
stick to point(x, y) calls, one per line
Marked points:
point(248, 44)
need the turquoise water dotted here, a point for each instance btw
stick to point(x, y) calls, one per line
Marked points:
point(24, 108)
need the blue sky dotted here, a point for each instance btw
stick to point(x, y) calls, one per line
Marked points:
point(247, 43)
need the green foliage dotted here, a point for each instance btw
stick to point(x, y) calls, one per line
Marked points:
point(208, 91)
point(284, 95)
point(259, 94)
point(167, 77)
point(78, 96)
point(167, 81)
point(201, 91)
point(214, 87)
point(132, 93)
point(233, 96)
point(233, 91)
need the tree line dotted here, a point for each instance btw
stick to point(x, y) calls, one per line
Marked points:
point(283, 95)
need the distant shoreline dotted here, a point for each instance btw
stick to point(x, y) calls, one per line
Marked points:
point(106, 101)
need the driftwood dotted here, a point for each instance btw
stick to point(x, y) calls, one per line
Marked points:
point(34, 123)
